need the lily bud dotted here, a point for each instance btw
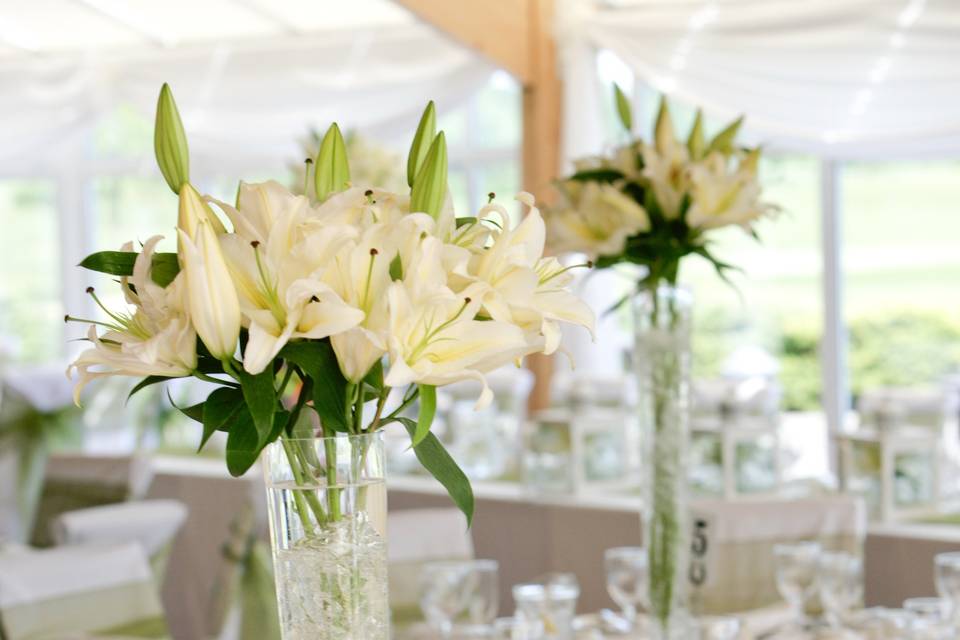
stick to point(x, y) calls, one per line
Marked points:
point(331, 172)
point(214, 307)
point(723, 141)
point(696, 143)
point(193, 211)
point(663, 130)
point(430, 185)
point(750, 162)
point(623, 108)
point(170, 142)
point(426, 131)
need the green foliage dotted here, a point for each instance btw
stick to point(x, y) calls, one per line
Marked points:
point(898, 348)
point(428, 409)
point(165, 266)
point(317, 360)
point(441, 466)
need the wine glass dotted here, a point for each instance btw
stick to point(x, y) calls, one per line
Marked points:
point(796, 573)
point(947, 573)
point(627, 575)
point(459, 590)
point(840, 584)
point(719, 628)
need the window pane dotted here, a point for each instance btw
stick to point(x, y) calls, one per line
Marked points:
point(902, 265)
point(775, 303)
point(31, 314)
point(498, 112)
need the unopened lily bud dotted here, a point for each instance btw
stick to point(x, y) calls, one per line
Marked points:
point(170, 142)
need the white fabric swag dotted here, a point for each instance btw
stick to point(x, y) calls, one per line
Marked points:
point(869, 79)
point(242, 100)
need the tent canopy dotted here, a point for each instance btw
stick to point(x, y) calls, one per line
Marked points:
point(843, 78)
point(250, 75)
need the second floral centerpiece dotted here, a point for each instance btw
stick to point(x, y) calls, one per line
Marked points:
point(652, 204)
point(320, 321)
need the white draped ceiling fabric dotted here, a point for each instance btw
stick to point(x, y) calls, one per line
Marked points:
point(868, 79)
point(250, 75)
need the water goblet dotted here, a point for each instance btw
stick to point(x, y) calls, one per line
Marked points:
point(947, 577)
point(459, 590)
point(840, 585)
point(796, 573)
point(719, 628)
point(552, 606)
point(627, 575)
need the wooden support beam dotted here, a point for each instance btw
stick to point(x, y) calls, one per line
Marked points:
point(516, 35)
point(542, 103)
point(496, 29)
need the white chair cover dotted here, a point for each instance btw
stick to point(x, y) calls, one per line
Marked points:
point(151, 523)
point(733, 547)
point(103, 590)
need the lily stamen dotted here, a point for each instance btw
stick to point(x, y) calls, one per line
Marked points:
point(547, 277)
point(366, 286)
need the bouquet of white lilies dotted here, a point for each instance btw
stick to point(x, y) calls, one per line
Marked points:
point(654, 203)
point(289, 303)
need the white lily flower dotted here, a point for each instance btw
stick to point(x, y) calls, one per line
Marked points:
point(279, 280)
point(666, 167)
point(260, 205)
point(157, 339)
point(523, 288)
point(194, 210)
point(436, 341)
point(725, 190)
point(214, 308)
point(596, 219)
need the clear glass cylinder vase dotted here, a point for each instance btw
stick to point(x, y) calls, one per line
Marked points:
point(662, 339)
point(327, 505)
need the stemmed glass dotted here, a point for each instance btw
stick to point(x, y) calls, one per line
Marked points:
point(796, 573)
point(459, 590)
point(947, 575)
point(627, 575)
point(840, 584)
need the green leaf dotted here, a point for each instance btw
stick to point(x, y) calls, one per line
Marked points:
point(426, 130)
point(170, 142)
point(696, 141)
point(318, 360)
point(396, 268)
point(219, 411)
point(194, 411)
point(331, 171)
point(146, 382)
point(261, 400)
point(624, 109)
point(430, 186)
point(243, 444)
point(428, 409)
point(597, 175)
point(164, 266)
point(723, 141)
point(374, 377)
point(441, 466)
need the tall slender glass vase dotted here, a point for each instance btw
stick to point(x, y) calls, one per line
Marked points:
point(327, 503)
point(662, 334)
